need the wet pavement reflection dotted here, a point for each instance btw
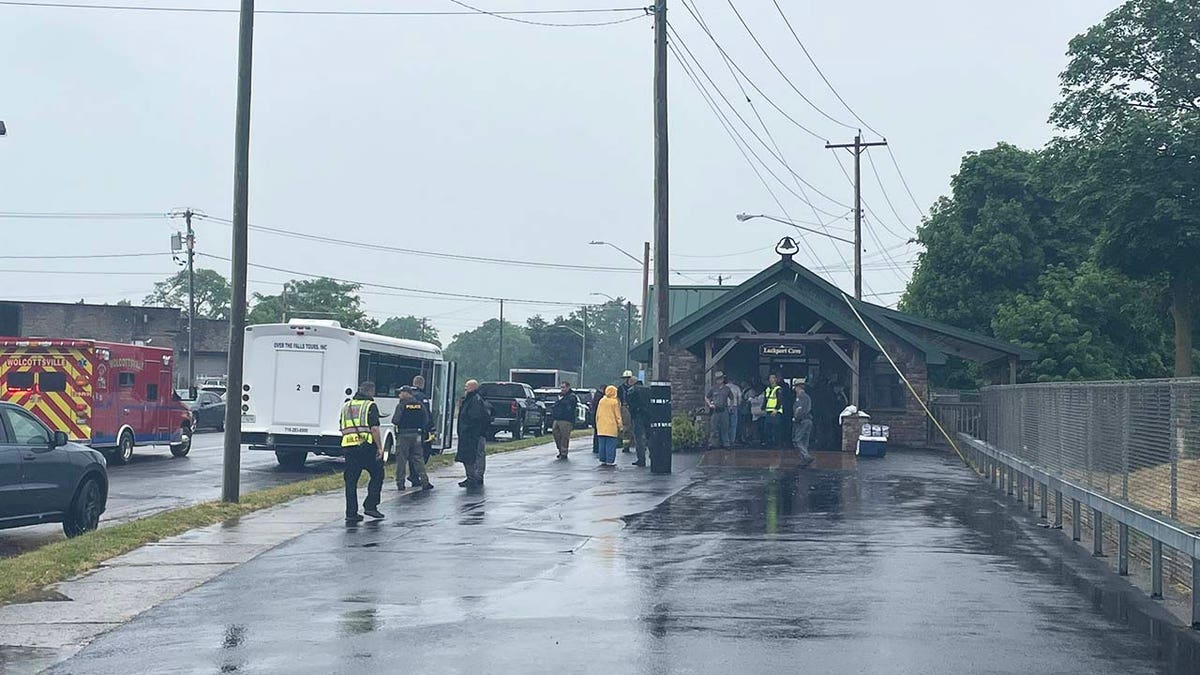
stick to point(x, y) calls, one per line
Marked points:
point(907, 564)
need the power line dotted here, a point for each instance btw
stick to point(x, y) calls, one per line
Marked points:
point(446, 294)
point(754, 133)
point(695, 12)
point(90, 272)
point(904, 182)
point(81, 257)
point(691, 10)
point(63, 215)
point(819, 71)
point(506, 15)
point(502, 15)
point(883, 190)
point(780, 70)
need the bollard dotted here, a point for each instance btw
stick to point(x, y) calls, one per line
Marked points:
point(1156, 569)
point(1045, 491)
point(1097, 533)
point(1195, 595)
point(1076, 525)
point(1123, 549)
point(1058, 510)
point(660, 427)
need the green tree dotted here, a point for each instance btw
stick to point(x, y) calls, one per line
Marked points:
point(211, 289)
point(320, 298)
point(1131, 94)
point(559, 348)
point(991, 238)
point(477, 351)
point(410, 327)
point(1087, 324)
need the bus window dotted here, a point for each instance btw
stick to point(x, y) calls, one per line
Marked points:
point(19, 381)
point(389, 372)
point(52, 381)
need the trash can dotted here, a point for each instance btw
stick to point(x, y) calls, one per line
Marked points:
point(659, 417)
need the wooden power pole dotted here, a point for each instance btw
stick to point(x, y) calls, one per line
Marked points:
point(662, 310)
point(857, 148)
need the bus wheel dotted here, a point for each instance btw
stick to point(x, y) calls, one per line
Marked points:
point(184, 446)
point(293, 461)
point(124, 451)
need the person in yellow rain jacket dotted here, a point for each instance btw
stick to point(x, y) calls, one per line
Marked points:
point(363, 449)
point(608, 426)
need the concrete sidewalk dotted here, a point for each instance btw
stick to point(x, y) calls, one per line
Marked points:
point(907, 565)
point(67, 616)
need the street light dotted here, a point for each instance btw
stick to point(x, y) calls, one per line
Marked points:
point(645, 261)
point(583, 345)
point(743, 217)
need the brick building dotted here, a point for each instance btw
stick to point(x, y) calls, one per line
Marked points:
point(789, 322)
point(158, 326)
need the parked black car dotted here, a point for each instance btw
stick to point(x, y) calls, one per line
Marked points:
point(46, 479)
point(208, 411)
point(515, 409)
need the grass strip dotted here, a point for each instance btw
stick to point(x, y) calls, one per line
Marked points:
point(23, 575)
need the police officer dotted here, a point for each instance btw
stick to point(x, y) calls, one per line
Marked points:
point(418, 393)
point(773, 410)
point(412, 423)
point(362, 445)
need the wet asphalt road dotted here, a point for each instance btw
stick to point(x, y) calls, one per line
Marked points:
point(908, 565)
point(155, 481)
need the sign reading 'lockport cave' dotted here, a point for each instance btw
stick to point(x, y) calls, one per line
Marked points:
point(778, 350)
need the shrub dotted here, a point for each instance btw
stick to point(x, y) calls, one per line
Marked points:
point(685, 433)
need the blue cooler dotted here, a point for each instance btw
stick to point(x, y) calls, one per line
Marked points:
point(872, 442)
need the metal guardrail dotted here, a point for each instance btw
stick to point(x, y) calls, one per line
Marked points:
point(955, 417)
point(1019, 477)
point(1123, 453)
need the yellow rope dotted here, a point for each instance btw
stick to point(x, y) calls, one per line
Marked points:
point(905, 379)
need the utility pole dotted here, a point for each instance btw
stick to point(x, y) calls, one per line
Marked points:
point(232, 466)
point(645, 288)
point(191, 342)
point(500, 358)
point(857, 148)
point(662, 310)
point(628, 323)
point(583, 347)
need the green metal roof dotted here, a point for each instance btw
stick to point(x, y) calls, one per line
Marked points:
point(700, 311)
point(684, 301)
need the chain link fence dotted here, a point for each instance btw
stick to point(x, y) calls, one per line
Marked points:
point(1137, 442)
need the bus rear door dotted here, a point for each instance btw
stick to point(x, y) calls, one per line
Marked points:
point(441, 401)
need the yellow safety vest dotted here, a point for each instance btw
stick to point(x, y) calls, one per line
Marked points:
point(772, 394)
point(355, 423)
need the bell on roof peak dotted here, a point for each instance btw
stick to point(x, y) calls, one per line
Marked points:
point(787, 248)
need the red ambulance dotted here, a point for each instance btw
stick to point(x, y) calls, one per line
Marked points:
point(109, 396)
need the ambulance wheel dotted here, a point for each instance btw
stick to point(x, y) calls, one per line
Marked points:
point(124, 451)
point(293, 461)
point(184, 446)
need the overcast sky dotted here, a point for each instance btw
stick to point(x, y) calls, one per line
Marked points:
point(473, 135)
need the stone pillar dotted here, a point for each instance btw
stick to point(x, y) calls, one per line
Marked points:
point(851, 429)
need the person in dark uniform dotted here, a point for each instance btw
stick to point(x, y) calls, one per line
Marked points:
point(363, 448)
point(474, 417)
point(418, 394)
point(412, 425)
point(639, 411)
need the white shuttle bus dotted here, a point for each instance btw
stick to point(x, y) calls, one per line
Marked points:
point(297, 376)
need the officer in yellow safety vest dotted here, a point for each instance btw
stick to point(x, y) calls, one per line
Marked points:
point(362, 446)
point(773, 408)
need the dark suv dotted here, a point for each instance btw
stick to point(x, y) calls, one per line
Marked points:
point(46, 479)
point(515, 409)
